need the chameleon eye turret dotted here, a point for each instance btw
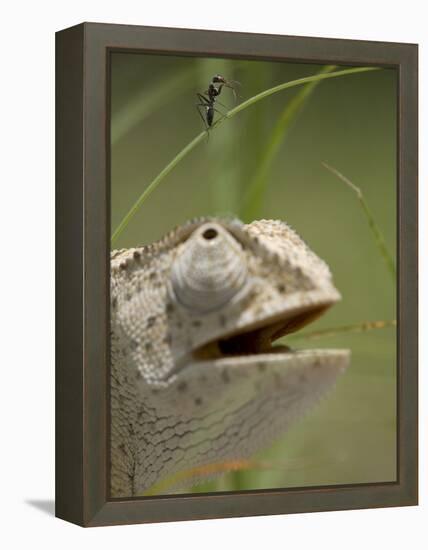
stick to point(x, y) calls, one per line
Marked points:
point(209, 269)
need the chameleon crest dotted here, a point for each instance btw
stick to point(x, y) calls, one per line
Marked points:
point(195, 379)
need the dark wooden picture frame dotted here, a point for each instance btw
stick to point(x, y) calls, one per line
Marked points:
point(82, 275)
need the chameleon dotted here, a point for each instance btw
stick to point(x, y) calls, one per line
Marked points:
point(195, 376)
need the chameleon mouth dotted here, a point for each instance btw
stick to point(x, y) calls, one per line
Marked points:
point(258, 339)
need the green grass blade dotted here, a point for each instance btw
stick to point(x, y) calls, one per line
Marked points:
point(254, 131)
point(256, 191)
point(379, 239)
point(233, 112)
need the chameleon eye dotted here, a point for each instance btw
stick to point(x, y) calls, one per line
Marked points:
point(210, 233)
point(209, 269)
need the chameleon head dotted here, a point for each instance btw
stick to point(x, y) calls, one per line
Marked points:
point(194, 319)
point(214, 289)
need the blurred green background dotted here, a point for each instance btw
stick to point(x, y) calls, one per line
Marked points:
point(349, 122)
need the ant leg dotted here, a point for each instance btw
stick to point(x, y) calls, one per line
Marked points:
point(203, 99)
point(205, 103)
point(198, 108)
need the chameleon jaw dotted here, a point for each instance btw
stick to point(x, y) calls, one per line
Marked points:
point(258, 339)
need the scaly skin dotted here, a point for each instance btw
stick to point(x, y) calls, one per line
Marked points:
point(179, 398)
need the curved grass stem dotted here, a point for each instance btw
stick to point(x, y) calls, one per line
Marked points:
point(379, 239)
point(233, 112)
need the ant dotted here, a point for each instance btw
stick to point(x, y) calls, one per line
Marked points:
point(208, 100)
